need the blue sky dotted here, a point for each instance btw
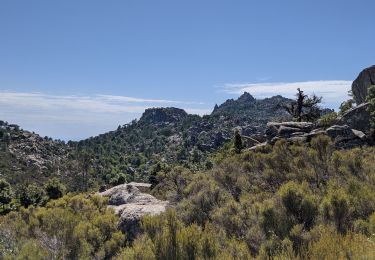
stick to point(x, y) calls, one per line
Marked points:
point(72, 69)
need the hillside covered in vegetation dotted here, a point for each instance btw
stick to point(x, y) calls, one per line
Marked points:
point(286, 201)
point(167, 136)
point(256, 179)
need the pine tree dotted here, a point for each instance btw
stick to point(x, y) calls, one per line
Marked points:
point(6, 193)
point(153, 178)
point(54, 188)
point(238, 145)
point(85, 162)
point(304, 108)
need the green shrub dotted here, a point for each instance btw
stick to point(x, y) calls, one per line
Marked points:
point(336, 207)
point(72, 227)
point(299, 202)
point(257, 204)
point(327, 119)
point(335, 246)
point(203, 196)
point(346, 105)
point(274, 220)
point(6, 195)
point(142, 249)
point(54, 188)
point(32, 194)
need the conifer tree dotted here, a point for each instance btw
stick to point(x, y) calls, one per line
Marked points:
point(238, 145)
point(54, 188)
point(304, 108)
point(5, 193)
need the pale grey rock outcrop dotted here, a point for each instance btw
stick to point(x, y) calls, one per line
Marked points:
point(286, 129)
point(343, 136)
point(340, 131)
point(131, 205)
point(357, 118)
point(361, 84)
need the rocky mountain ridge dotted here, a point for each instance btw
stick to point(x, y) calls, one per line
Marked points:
point(169, 136)
point(166, 135)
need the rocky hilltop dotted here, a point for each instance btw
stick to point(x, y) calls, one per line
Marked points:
point(161, 135)
point(163, 115)
point(26, 156)
point(172, 136)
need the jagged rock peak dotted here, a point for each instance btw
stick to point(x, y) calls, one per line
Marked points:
point(163, 115)
point(246, 97)
point(361, 84)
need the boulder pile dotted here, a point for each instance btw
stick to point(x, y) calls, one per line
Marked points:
point(343, 135)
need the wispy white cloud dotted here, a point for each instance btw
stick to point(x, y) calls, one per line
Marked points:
point(74, 117)
point(142, 100)
point(332, 91)
point(95, 103)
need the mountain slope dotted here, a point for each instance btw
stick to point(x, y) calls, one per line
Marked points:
point(162, 136)
point(172, 136)
point(26, 157)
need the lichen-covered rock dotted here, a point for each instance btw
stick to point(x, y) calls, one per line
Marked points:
point(314, 133)
point(131, 205)
point(131, 214)
point(286, 129)
point(143, 187)
point(357, 118)
point(359, 134)
point(257, 146)
point(361, 84)
point(297, 139)
point(343, 135)
point(340, 130)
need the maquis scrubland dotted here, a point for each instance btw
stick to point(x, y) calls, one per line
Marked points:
point(275, 178)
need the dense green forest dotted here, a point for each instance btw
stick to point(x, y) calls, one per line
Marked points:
point(303, 195)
